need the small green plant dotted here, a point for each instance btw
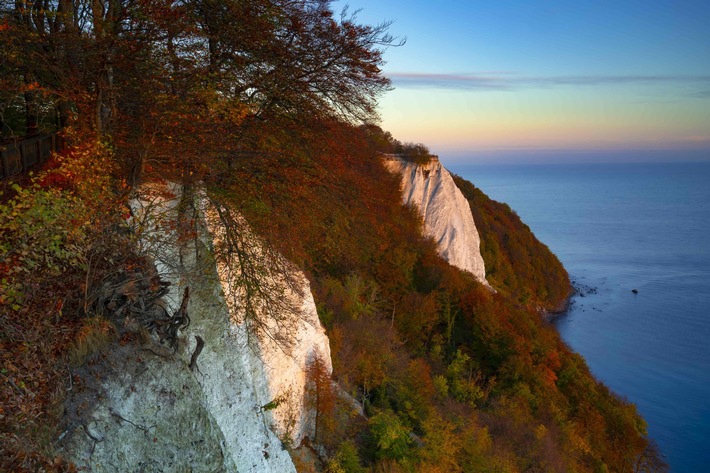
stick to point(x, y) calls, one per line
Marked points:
point(273, 404)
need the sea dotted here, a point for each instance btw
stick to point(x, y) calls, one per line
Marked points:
point(619, 228)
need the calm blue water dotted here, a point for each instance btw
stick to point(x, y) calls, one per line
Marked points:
point(617, 227)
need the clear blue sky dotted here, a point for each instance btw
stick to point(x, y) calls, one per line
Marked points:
point(536, 80)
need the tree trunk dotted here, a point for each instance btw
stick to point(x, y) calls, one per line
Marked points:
point(31, 125)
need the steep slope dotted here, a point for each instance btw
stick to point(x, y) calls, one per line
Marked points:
point(446, 213)
point(244, 397)
point(517, 263)
point(450, 375)
point(481, 382)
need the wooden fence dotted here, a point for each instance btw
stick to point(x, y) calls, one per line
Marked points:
point(18, 156)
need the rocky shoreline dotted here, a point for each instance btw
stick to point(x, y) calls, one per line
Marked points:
point(577, 290)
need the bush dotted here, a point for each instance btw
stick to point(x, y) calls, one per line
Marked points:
point(56, 242)
point(346, 460)
point(49, 227)
point(390, 436)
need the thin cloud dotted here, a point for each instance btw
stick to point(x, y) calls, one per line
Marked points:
point(485, 81)
point(450, 81)
point(697, 139)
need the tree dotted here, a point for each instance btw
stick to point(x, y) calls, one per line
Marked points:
point(320, 396)
point(191, 84)
point(391, 437)
point(441, 445)
point(294, 57)
point(345, 460)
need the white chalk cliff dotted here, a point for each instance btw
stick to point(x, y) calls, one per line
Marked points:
point(247, 394)
point(445, 211)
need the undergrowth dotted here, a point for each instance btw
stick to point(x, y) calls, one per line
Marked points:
point(58, 240)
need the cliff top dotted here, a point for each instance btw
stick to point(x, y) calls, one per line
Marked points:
point(409, 157)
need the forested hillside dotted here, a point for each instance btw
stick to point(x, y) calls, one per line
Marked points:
point(452, 376)
point(516, 262)
point(269, 105)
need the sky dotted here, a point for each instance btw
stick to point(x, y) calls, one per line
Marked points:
point(548, 80)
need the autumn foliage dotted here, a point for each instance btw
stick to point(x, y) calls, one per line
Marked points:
point(452, 376)
point(57, 246)
point(269, 103)
point(516, 262)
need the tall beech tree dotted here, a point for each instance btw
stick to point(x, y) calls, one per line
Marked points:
point(189, 85)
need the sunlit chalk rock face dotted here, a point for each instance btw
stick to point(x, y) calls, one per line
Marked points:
point(288, 334)
point(446, 212)
point(245, 397)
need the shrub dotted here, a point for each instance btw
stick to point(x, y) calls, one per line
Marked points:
point(390, 436)
point(346, 460)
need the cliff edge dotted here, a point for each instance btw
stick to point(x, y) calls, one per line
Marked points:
point(446, 212)
point(236, 404)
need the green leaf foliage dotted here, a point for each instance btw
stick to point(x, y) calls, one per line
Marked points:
point(517, 263)
point(442, 366)
point(261, 100)
point(390, 436)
